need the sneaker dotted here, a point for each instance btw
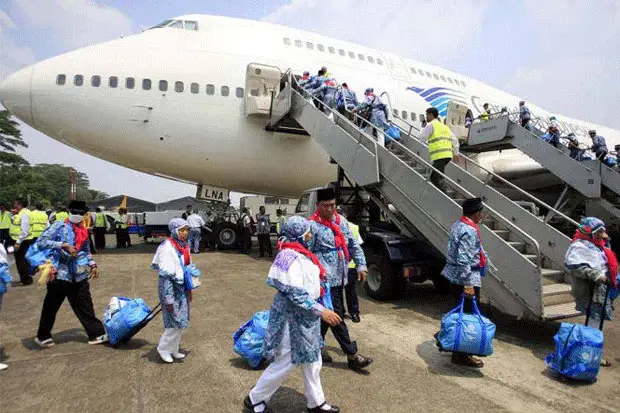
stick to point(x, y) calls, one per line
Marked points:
point(178, 356)
point(48, 342)
point(3, 366)
point(165, 357)
point(99, 340)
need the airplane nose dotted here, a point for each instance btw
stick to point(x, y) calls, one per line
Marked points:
point(15, 94)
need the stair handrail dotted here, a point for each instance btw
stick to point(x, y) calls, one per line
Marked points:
point(494, 175)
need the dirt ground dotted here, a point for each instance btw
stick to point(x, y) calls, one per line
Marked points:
point(408, 374)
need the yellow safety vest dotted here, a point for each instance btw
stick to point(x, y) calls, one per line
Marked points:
point(120, 223)
point(99, 220)
point(5, 220)
point(484, 116)
point(16, 223)
point(282, 218)
point(440, 142)
point(355, 230)
point(38, 223)
point(62, 216)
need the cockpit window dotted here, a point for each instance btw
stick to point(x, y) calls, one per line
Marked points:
point(191, 25)
point(162, 24)
point(178, 24)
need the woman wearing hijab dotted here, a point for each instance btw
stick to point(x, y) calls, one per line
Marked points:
point(68, 241)
point(593, 268)
point(293, 334)
point(172, 260)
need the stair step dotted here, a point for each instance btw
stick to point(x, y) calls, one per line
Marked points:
point(459, 200)
point(557, 275)
point(555, 294)
point(502, 233)
point(518, 245)
point(560, 311)
point(555, 289)
point(531, 257)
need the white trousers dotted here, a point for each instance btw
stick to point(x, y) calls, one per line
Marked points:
point(170, 341)
point(277, 372)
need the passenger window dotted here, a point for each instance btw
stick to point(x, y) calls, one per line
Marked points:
point(298, 43)
point(254, 92)
point(395, 112)
point(113, 81)
point(287, 41)
point(352, 55)
point(309, 45)
point(371, 59)
point(225, 91)
point(179, 87)
point(443, 78)
point(435, 76)
point(380, 62)
point(414, 71)
point(320, 47)
point(412, 116)
point(177, 24)
point(404, 115)
point(420, 71)
point(95, 81)
point(210, 90)
point(331, 50)
point(463, 83)
point(239, 92)
point(191, 25)
point(61, 80)
point(429, 74)
point(361, 57)
point(163, 85)
point(422, 118)
point(302, 204)
point(146, 84)
point(130, 83)
point(194, 88)
point(78, 80)
point(450, 80)
point(341, 52)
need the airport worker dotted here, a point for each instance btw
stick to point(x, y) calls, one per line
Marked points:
point(21, 235)
point(281, 221)
point(379, 114)
point(327, 74)
point(599, 146)
point(263, 223)
point(172, 259)
point(61, 214)
point(465, 265)
point(346, 100)
point(89, 223)
point(335, 246)
point(122, 229)
point(245, 232)
point(68, 241)
point(552, 137)
point(293, 336)
point(442, 145)
point(188, 212)
point(593, 269)
point(5, 282)
point(196, 223)
point(38, 222)
point(5, 225)
point(484, 116)
point(353, 305)
point(524, 115)
point(101, 227)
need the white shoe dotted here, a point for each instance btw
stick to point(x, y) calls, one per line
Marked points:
point(3, 366)
point(166, 357)
point(178, 356)
point(48, 342)
point(99, 340)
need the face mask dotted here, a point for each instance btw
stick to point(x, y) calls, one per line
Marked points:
point(76, 219)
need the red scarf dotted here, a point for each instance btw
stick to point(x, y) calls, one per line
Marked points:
point(612, 260)
point(339, 239)
point(81, 233)
point(483, 257)
point(184, 251)
point(296, 246)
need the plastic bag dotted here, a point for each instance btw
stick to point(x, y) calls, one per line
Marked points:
point(392, 133)
point(120, 323)
point(578, 352)
point(248, 339)
point(48, 272)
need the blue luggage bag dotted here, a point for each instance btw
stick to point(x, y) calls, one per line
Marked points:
point(248, 339)
point(466, 333)
point(392, 133)
point(578, 349)
point(132, 316)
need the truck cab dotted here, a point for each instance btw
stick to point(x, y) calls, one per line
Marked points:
point(393, 259)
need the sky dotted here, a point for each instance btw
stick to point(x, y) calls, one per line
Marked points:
point(563, 55)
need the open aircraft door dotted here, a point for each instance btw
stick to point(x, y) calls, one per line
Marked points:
point(455, 119)
point(262, 83)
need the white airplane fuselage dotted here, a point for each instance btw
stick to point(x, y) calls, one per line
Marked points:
point(206, 138)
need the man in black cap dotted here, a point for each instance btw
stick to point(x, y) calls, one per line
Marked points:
point(466, 264)
point(334, 245)
point(70, 252)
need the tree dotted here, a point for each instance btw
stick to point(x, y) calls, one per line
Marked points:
point(10, 135)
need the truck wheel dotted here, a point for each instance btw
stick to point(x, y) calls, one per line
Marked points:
point(226, 235)
point(381, 283)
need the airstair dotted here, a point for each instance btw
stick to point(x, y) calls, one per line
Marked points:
point(525, 278)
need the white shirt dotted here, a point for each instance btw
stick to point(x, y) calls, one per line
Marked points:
point(428, 131)
point(24, 228)
point(245, 219)
point(195, 221)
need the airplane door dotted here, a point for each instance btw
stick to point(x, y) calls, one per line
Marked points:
point(395, 65)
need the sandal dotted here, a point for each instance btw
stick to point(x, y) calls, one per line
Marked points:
point(605, 363)
point(249, 406)
point(467, 360)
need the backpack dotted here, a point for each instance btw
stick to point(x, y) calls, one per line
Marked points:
point(578, 349)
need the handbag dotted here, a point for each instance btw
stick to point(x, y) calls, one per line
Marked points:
point(467, 333)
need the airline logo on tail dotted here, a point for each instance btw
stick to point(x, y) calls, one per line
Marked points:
point(438, 97)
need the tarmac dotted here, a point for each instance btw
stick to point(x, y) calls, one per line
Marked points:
point(408, 374)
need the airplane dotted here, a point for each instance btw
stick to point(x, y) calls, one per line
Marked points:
point(179, 101)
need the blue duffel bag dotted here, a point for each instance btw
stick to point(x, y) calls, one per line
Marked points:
point(121, 319)
point(248, 339)
point(578, 352)
point(392, 133)
point(467, 333)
